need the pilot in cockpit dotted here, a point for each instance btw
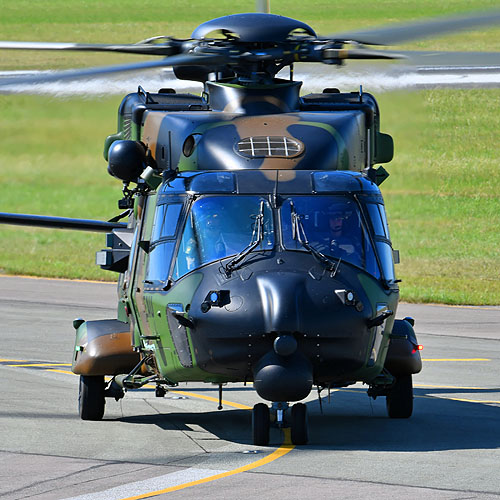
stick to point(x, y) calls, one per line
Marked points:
point(342, 235)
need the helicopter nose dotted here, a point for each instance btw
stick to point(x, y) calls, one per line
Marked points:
point(283, 378)
point(283, 296)
point(283, 374)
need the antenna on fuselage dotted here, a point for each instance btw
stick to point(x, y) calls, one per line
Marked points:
point(263, 6)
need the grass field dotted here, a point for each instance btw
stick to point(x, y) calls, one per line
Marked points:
point(442, 195)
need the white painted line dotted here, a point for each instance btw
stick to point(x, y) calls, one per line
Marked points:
point(150, 485)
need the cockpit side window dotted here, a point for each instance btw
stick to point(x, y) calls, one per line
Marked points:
point(221, 226)
point(378, 221)
point(162, 242)
point(166, 219)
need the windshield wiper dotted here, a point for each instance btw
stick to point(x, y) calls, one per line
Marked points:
point(299, 234)
point(257, 233)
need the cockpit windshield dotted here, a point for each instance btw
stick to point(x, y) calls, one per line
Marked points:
point(221, 226)
point(332, 225)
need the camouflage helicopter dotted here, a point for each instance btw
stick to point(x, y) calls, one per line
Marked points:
point(257, 247)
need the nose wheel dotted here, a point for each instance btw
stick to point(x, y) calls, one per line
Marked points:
point(299, 432)
point(282, 416)
point(260, 424)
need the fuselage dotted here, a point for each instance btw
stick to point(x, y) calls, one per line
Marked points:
point(232, 266)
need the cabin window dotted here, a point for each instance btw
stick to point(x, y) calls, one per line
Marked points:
point(331, 225)
point(221, 226)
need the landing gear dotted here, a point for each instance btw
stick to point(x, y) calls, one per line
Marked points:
point(400, 398)
point(160, 391)
point(91, 397)
point(260, 424)
point(282, 416)
point(299, 433)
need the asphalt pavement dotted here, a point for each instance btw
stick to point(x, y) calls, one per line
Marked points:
point(183, 446)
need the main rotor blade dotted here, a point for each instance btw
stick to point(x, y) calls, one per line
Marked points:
point(178, 60)
point(361, 53)
point(397, 33)
point(164, 49)
point(60, 222)
point(482, 60)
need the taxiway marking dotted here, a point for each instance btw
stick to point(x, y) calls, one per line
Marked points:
point(208, 398)
point(482, 401)
point(46, 366)
point(178, 477)
point(41, 364)
point(66, 372)
point(432, 386)
point(177, 480)
point(285, 448)
point(455, 359)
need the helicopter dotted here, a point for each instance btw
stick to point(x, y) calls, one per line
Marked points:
point(256, 247)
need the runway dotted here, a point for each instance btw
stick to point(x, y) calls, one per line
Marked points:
point(181, 446)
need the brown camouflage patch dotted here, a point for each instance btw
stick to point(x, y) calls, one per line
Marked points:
point(151, 129)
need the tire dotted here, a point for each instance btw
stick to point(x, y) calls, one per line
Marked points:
point(260, 424)
point(91, 397)
point(400, 399)
point(299, 432)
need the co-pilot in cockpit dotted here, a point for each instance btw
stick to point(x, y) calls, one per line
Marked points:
point(221, 226)
point(331, 225)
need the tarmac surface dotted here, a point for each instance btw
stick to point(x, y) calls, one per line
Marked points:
point(180, 446)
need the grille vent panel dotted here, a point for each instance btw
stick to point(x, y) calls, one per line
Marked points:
point(269, 147)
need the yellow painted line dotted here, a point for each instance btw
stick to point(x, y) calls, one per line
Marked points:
point(484, 401)
point(464, 400)
point(56, 279)
point(206, 398)
point(13, 360)
point(42, 364)
point(456, 359)
point(60, 371)
point(209, 398)
point(450, 387)
point(285, 448)
point(457, 306)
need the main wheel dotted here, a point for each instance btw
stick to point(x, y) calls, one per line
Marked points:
point(91, 397)
point(400, 399)
point(260, 424)
point(299, 433)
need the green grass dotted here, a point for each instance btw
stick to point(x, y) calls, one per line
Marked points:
point(51, 163)
point(442, 195)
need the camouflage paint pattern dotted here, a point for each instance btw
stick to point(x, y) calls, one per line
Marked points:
point(190, 134)
point(103, 348)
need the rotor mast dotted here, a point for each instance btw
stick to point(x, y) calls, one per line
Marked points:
point(263, 6)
